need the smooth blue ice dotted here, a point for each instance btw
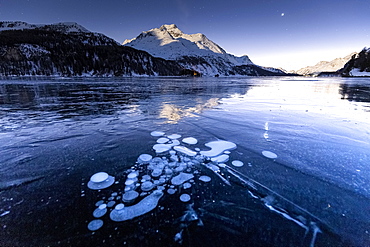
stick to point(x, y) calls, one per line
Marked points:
point(144, 206)
point(217, 148)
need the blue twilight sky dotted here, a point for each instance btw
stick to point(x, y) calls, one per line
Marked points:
point(279, 33)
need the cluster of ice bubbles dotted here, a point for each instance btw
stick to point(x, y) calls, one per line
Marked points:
point(175, 168)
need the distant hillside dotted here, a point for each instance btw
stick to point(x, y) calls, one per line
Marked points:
point(325, 66)
point(68, 49)
point(359, 65)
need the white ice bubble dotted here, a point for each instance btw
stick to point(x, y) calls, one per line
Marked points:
point(185, 198)
point(119, 206)
point(111, 204)
point(161, 148)
point(157, 172)
point(237, 163)
point(95, 225)
point(147, 186)
point(162, 140)
point(174, 136)
point(185, 150)
point(101, 185)
point(144, 206)
point(218, 147)
point(186, 185)
point(99, 212)
point(269, 154)
point(98, 203)
point(190, 140)
point(129, 196)
point(171, 191)
point(99, 177)
point(132, 175)
point(205, 179)
point(221, 158)
point(181, 178)
point(102, 206)
point(144, 158)
point(157, 133)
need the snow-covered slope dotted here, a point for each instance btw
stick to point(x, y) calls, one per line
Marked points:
point(326, 66)
point(65, 27)
point(193, 51)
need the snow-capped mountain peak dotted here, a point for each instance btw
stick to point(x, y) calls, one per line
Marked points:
point(194, 51)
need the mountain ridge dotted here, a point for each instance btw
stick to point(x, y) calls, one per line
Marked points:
point(195, 52)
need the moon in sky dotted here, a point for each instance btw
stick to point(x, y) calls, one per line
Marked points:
point(282, 14)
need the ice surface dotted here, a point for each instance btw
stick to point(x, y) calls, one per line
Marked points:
point(181, 178)
point(217, 148)
point(269, 154)
point(237, 163)
point(95, 225)
point(190, 140)
point(99, 177)
point(185, 198)
point(144, 206)
point(185, 150)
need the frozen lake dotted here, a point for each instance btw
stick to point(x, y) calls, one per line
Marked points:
point(296, 171)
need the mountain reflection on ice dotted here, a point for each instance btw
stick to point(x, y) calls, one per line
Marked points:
point(56, 133)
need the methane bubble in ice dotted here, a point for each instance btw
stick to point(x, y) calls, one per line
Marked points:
point(190, 140)
point(174, 136)
point(130, 196)
point(181, 178)
point(185, 150)
point(100, 211)
point(237, 163)
point(146, 205)
point(204, 178)
point(119, 206)
point(217, 147)
point(162, 140)
point(99, 177)
point(157, 133)
point(221, 158)
point(100, 180)
point(161, 148)
point(147, 186)
point(95, 225)
point(185, 198)
point(144, 158)
point(186, 186)
point(269, 154)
